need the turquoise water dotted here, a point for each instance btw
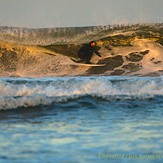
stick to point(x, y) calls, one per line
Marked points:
point(81, 119)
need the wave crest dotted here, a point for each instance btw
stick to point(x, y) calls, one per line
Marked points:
point(134, 50)
point(26, 93)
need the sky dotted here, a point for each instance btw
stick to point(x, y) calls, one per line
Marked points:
point(70, 13)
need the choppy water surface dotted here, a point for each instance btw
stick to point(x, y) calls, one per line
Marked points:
point(81, 119)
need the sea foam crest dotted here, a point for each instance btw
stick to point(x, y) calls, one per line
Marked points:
point(33, 92)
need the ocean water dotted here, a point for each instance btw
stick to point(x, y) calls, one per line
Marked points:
point(54, 110)
point(133, 50)
point(81, 119)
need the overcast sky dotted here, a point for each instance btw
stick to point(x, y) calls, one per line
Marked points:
point(68, 13)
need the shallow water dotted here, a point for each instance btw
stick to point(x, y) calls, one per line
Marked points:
point(84, 123)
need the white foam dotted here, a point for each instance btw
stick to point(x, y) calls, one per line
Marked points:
point(45, 92)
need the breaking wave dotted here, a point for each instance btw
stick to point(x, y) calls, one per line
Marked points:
point(114, 34)
point(133, 50)
point(30, 92)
